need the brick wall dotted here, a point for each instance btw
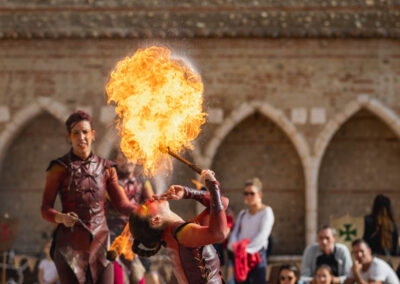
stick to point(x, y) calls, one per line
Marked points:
point(304, 88)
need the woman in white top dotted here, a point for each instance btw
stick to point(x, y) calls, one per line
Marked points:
point(255, 224)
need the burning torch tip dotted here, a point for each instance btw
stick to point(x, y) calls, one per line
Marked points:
point(164, 149)
point(112, 255)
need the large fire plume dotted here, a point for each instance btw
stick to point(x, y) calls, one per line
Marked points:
point(159, 102)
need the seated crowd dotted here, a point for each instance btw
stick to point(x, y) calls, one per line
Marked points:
point(331, 262)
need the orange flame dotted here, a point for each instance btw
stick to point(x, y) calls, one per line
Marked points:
point(123, 244)
point(159, 103)
point(198, 184)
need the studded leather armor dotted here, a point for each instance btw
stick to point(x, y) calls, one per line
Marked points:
point(82, 190)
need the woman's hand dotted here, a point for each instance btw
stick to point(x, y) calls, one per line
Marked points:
point(68, 219)
point(175, 192)
point(207, 175)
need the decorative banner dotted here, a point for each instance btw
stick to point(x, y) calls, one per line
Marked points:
point(348, 228)
point(8, 232)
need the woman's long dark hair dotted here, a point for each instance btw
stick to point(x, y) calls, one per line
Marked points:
point(383, 215)
point(143, 233)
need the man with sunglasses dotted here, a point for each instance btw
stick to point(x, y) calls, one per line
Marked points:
point(254, 224)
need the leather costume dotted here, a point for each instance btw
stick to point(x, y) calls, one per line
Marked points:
point(82, 185)
point(134, 191)
point(197, 264)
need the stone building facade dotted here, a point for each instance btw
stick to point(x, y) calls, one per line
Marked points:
point(303, 94)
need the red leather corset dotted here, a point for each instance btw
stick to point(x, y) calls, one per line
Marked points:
point(83, 190)
point(200, 264)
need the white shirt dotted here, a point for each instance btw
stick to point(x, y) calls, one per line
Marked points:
point(256, 228)
point(378, 271)
point(49, 270)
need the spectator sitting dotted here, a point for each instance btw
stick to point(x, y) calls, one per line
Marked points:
point(288, 274)
point(47, 269)
point(323, 275)
point(381, 232)
point(369, 269)
point(326, 251)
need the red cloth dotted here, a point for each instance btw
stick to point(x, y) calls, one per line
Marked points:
point(229, 223)
point(118, 274)
point(244, 262)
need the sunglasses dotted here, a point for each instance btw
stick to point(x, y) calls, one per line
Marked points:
point(249, 193)
point(283, 278)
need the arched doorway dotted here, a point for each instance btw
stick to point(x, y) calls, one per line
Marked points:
point(258, 147)
point(23, 178)
point(361, 161)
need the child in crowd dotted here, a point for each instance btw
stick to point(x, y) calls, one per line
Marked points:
point(323, 275)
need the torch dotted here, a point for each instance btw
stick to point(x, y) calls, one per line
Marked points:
point(184, 161)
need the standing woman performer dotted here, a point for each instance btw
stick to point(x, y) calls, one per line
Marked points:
point(82, 179)
point(153, 224)
point(254, 224)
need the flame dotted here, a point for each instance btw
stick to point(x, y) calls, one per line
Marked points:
point(159, 104)
point(198, 184)
point(123, 244)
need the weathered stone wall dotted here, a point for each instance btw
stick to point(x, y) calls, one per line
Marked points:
point(303, 90)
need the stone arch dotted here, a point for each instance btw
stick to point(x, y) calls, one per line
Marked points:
point(243, 111)
point(40, 140)
point(363, 101)
point(283, 123)
point(23, 116)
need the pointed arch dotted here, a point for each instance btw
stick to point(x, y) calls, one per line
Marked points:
point(23, 116)
point(245, 110)
point(323, 140)
point(277, 117)
point(363, 101)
